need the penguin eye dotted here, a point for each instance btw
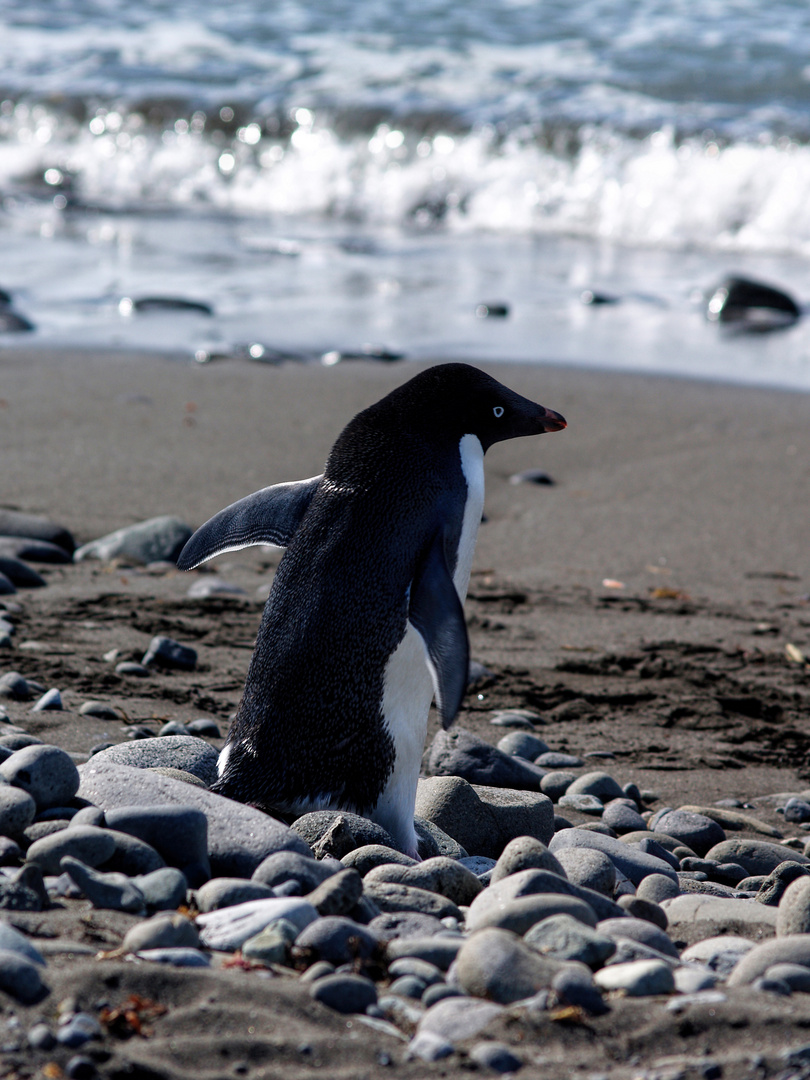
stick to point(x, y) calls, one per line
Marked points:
point(498, 411)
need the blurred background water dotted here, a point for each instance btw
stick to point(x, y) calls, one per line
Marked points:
point(330, 175)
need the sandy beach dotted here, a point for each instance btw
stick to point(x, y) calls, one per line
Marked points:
point(642, 603)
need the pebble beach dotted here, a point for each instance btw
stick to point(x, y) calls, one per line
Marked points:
point(615, 831)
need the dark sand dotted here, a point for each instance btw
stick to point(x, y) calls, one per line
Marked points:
point(692, 495)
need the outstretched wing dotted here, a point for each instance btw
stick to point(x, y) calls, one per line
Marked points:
point(270, 516)
point(436, 613)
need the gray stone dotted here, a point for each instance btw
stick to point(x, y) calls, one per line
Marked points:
point(440, 875)
point(132, 856)
point(369, 856)
point(527, 883)
point(47, 773)
point(426, 972)
point(522, 913)
point(453, 805)
point(156, 540)
point(428, 1046)
point(695, 830)
point(583, 804)
point(40, 1037)
point(634, 864)
point(51, 701)
point(496, 965)
point(556, 760)
point(695, 917)
point(590, 868)
point(718, 954)
point(793, 914)
point(165, 652)
point(12, 940)
point(460, 1018)
point(17, 810)
point(239, 837)
point(556, 783)
point(113, 892)
point(226, 892)
point(460, 753)
point(438, 992)
point(17, 523)
point(337, 832)
point(24, 890)
point(639, 978)
point(522, 744)
point(273, 944)
point(14, 686)
point(600, 784)
point(227, 929)
point(495, 1056)
point(186, 752)
point(433, 841)
point(178, 833)
point(525, 853)
point(91, 845)
point(179, 956)
point(337, 894)
point(574, 985)
point(525, 719)
point(794, 949)
point(345, 993)
point(796, 811)
point(567, 938)
point(80, 1028)
point(773, 887)
point(130, 667)
point(391, 897)
point(438, 951)
point(692, 979)
point(204, 725)
point(639, 930)
point(796, 976)
point(408, 986)
point(755, 856)
point(16, 740)
point(338, 940)
point(293, 866)
point(621, 817)
point(162, 931)
point(173, 727)
point(405, 924)
point(164, 889)
point(656, 887)
point(178, 774)
point(638, 908)
point(99, 710)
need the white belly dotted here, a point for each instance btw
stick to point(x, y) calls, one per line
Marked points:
point(408, 686)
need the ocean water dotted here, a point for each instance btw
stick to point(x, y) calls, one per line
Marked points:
point(334, 176)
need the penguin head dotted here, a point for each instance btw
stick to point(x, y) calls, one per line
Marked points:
point(458, 400)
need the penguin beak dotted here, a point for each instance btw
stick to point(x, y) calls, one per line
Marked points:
point(550, 420)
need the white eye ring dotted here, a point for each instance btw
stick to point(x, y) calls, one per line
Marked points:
point(498, 411)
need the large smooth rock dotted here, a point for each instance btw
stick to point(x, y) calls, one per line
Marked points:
point(159, 539)
point(694, 917)
point(531, 883)
point(34, 527)
point(697, 831)
point(47, 773)
point(755, 856)
point(793, 913)
point(634, 864)
point(239, 837)
point(186, 752)
point(456, 1019)
point(525, 853)
point(460, 753)
point(439, 875)
point(783, 950)
point(229, 928)
point(496, 965)
point(178, 833)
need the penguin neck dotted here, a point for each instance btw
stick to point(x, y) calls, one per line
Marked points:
point(472, 466)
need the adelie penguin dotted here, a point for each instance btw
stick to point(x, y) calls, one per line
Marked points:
point(364, 623)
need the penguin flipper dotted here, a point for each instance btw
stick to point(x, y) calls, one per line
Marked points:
point(436, 613)
point(270, 516)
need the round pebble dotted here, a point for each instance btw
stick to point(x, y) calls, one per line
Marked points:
point(599, 784)
point(47, 773)
point(345, 993)
point(17, 810)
